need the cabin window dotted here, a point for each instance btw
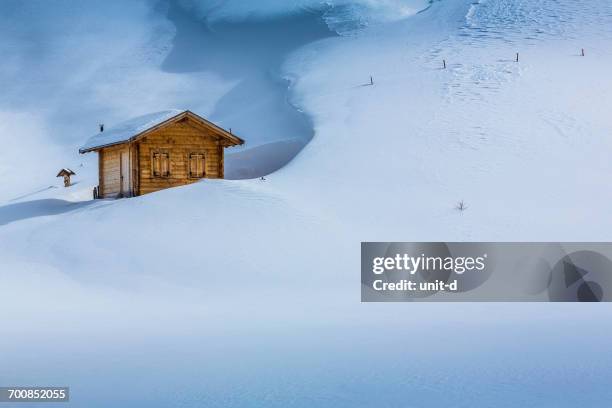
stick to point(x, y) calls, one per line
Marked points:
point(161, 164)
point(196, 165)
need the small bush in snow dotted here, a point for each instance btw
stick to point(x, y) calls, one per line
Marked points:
point(461, 206)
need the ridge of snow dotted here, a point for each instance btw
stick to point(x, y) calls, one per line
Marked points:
point(338, 13)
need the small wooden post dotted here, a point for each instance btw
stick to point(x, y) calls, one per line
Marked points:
point(444, 63)
point(65, 174)
point(517, 57)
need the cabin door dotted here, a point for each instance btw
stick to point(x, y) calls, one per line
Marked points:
point(125, 174)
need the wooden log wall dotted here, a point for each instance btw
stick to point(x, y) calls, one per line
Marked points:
point(179, 140)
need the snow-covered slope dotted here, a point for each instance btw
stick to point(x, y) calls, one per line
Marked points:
point(512, 139)
point(227, 292)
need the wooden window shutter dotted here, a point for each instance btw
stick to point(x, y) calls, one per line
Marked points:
point(196, 165)
point(193, 166)
point(201, 172)
point(156, 164)
point(165, 164)
point(161, 164)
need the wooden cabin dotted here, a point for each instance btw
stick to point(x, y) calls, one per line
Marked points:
point(158, 151)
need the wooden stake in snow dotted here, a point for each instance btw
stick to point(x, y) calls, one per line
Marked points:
point(444, 63)
point(517, 57)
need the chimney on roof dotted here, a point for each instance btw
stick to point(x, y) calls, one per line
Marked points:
point(101, 127)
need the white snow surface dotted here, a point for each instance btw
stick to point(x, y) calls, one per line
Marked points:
point(124, 131)
point(349, 11)
point(228, 292)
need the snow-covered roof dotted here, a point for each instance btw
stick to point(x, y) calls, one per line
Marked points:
point(66, 171)
point(133, 129)
point(124, 131)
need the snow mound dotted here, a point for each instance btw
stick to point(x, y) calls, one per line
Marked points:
point(343, 15)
